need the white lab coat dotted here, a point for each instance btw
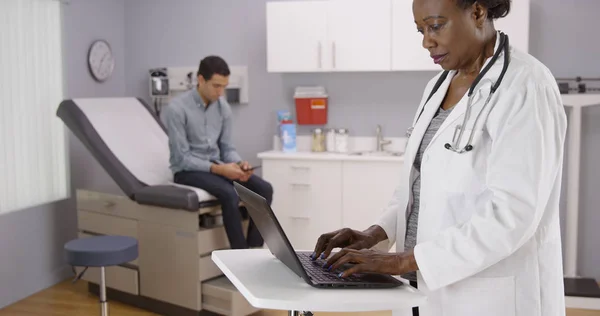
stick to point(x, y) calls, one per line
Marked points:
point(488, 240)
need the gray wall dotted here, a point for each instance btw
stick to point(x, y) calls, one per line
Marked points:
point(31, 240)
point(191, 29)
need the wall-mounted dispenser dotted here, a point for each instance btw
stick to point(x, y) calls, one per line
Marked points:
point(184, 78)
point(159, 87)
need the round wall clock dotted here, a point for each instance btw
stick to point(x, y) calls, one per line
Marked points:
point(101, 61)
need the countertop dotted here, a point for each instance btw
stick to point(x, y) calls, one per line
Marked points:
point(307, 155)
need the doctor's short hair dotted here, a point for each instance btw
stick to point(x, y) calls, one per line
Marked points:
point(211, 65)
point(496, 8)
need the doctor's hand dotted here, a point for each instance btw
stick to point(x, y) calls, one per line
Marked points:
point(372, 261)
point(349, 239)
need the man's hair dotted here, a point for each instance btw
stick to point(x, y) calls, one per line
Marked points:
point(211, 65)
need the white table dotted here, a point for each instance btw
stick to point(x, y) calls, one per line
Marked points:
point(576, 102)
point(267, 283)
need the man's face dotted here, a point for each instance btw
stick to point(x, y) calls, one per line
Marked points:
point(214, 88)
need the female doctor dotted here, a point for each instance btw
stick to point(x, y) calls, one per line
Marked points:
point(476, 213)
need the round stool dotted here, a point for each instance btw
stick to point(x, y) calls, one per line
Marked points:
point(101, 251)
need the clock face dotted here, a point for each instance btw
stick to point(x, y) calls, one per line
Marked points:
point(101, 60)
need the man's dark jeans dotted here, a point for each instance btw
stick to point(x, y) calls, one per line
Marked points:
point(222, 189)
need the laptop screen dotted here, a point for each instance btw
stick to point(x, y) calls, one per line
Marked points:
point(265, 220)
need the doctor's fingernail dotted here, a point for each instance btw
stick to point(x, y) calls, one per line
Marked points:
point(340, 274)
point(322, 256)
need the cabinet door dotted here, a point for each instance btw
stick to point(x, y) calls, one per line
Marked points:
point(407, 44)
point(307, 198)
point(297, 36)
point(359, 33)
point(516, 25)
point(367, 190)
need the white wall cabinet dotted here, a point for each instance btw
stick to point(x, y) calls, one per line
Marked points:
point(334, 35)
point(296, 37)
point(360, 35)
point(516, 24)
point(408, 53)
point(312, 197)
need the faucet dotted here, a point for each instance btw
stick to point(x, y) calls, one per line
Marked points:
point(380, 141)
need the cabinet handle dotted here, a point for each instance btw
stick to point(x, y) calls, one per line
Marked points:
point(299, 167)
point(299, 216)
point(320, 54)
point(303, 185)
point(333, 53)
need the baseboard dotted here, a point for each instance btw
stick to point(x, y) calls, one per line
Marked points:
point(146, 303)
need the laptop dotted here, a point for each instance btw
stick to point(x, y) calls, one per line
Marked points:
point(299, 261)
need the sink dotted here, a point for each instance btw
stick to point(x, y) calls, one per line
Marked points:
point(377, 153)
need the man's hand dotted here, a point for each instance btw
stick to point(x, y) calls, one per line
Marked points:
point(367, 260)
point(230, 171)
point(247, 170)
point(244, 165)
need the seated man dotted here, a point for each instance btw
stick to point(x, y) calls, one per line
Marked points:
point(199, 125)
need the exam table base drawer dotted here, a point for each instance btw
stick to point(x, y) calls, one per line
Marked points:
point(208, 269)
point(215, 238)
point(109, 204)
point(106, 225)
point(117, 277)
point(220, 296)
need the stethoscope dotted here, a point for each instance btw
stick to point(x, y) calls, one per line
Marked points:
point(456, 141)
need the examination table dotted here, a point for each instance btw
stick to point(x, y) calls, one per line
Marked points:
point(177, 226)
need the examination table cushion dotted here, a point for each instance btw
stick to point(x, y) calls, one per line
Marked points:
point(131, 144)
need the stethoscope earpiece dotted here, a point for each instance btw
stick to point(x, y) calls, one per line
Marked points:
point(469, 148)
point(447, 146)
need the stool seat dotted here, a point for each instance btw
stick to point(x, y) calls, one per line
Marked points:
point(101, 251)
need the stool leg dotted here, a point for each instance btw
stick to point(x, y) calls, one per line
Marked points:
point(103, 303)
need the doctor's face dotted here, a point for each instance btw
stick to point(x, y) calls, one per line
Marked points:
point(450, 33)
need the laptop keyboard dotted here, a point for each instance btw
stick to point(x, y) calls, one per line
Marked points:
point(316, 271)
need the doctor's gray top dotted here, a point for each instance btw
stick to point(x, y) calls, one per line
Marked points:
point(198, 134)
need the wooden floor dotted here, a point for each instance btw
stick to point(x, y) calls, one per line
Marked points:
point(66, 299)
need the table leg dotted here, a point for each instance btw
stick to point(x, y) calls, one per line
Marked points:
point(572, 220)
point(103, 303)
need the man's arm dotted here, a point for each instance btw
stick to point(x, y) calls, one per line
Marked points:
point(228, 151)
point(173, 119)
